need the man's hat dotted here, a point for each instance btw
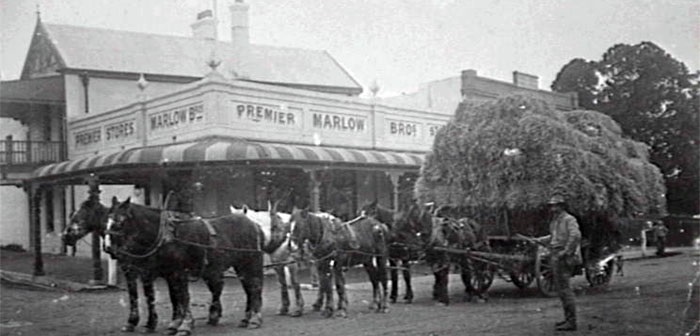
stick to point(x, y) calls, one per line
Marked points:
point(556, 199)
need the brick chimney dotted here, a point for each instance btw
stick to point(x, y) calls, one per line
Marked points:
point(205, 26)
point(468, 77)
point(240, 36)
point(521, 79)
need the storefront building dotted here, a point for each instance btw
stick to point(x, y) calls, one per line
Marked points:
point(226, 123)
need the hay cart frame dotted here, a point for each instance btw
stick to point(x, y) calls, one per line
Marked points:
point(522, 260)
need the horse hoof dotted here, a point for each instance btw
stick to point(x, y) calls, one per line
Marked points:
point(243, 324)
point(170, 331)
point(316, 308)
point(283, 311)
point(341, 313)
point(409, 300)
point(383, 310)
point(328, 313)
point(254, 325)
point(183, 333)
point(392, 300)
point(213, 321)
point(296, 313)
point(128, 328)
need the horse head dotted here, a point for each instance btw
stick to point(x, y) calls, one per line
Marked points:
point(90, 217)
point(132, 226)
point(413, 224)
point(378, 212)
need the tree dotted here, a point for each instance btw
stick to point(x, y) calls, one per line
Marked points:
point(654, 98)
point(514, 153)
point(579, 76)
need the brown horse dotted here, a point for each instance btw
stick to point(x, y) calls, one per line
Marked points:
point(91, 217)
point(450, 241)
point(179, 249)
point(338, 245)
point(405, 244)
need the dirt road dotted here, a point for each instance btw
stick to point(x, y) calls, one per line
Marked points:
point(651, 299)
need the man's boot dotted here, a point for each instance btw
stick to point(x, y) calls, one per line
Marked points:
point(570, 323)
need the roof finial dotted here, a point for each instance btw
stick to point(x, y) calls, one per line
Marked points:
point(38, 12)
point(374, 88)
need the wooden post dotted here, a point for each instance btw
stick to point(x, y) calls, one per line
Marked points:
point(94, 185)
point(9, 148)
point(394, 177)
point(35, 218)
point(315, 192)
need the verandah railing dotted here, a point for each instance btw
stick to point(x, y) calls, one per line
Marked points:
point(13, 152)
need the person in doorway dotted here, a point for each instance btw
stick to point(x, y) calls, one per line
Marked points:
point(660, 233)
point(565, 247)
point(646, 228)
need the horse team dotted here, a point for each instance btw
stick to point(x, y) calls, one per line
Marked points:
point(151, 243)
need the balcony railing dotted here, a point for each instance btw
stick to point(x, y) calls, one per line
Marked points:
point(31, 152)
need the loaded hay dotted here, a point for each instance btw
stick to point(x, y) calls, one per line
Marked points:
point(505, 158)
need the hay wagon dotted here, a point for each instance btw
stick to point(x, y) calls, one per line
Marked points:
point(522, 260)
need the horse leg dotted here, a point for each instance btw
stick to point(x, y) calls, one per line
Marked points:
point(394, 279)
point(148, 291)
point(441, 282)
point(372, 273)
point(174, 290)
point(320, 274)
point(339, 276)
point(252, 280)
point(131, 276)
point(185, 328)
point(381, 278)
point(299, 298)
point(325, 288)
point(466, 274)
point(406, 264)
point(282, 278)
point(215, 283)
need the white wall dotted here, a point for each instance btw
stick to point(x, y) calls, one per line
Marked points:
point(14, 207)
point(9, 126)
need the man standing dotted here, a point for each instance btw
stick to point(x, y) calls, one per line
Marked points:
point(660, 231)
point(565, 246)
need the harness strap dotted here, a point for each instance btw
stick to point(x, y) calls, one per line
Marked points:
point(210, 228)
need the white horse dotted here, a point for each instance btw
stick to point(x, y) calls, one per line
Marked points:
point(286, 267)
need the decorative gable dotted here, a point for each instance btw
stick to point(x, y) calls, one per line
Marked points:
point(43, 58)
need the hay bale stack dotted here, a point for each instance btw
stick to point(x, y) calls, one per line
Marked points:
point(515, 152)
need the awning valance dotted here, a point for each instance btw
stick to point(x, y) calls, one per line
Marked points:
point(230, 150)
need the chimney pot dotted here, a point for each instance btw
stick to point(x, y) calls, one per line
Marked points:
point(206, 26)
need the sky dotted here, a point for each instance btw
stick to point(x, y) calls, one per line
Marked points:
point(399, 44)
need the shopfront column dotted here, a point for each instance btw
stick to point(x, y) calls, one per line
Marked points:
point(394, 177)
point(315, 186)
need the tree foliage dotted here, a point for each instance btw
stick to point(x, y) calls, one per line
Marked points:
point(654, 98)
point(516, 152)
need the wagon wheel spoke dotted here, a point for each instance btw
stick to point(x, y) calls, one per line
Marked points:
point(544, 275)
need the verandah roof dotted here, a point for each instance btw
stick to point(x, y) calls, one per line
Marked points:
point(232, 151)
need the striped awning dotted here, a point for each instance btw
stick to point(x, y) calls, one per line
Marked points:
point(227, 151)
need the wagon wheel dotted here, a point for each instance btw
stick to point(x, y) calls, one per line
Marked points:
point(522, 279)
point(544, 274)
point(600, 277)
point(481, 277)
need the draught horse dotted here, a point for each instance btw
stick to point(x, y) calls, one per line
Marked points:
point(405, 244)
point(337, 246)
point(178, 249)
point(91, 217)
point(280, 255)
point(450, 241)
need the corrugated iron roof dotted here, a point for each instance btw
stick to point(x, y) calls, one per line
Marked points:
point(131, 52)
point(38, 90)
point(229, 151)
